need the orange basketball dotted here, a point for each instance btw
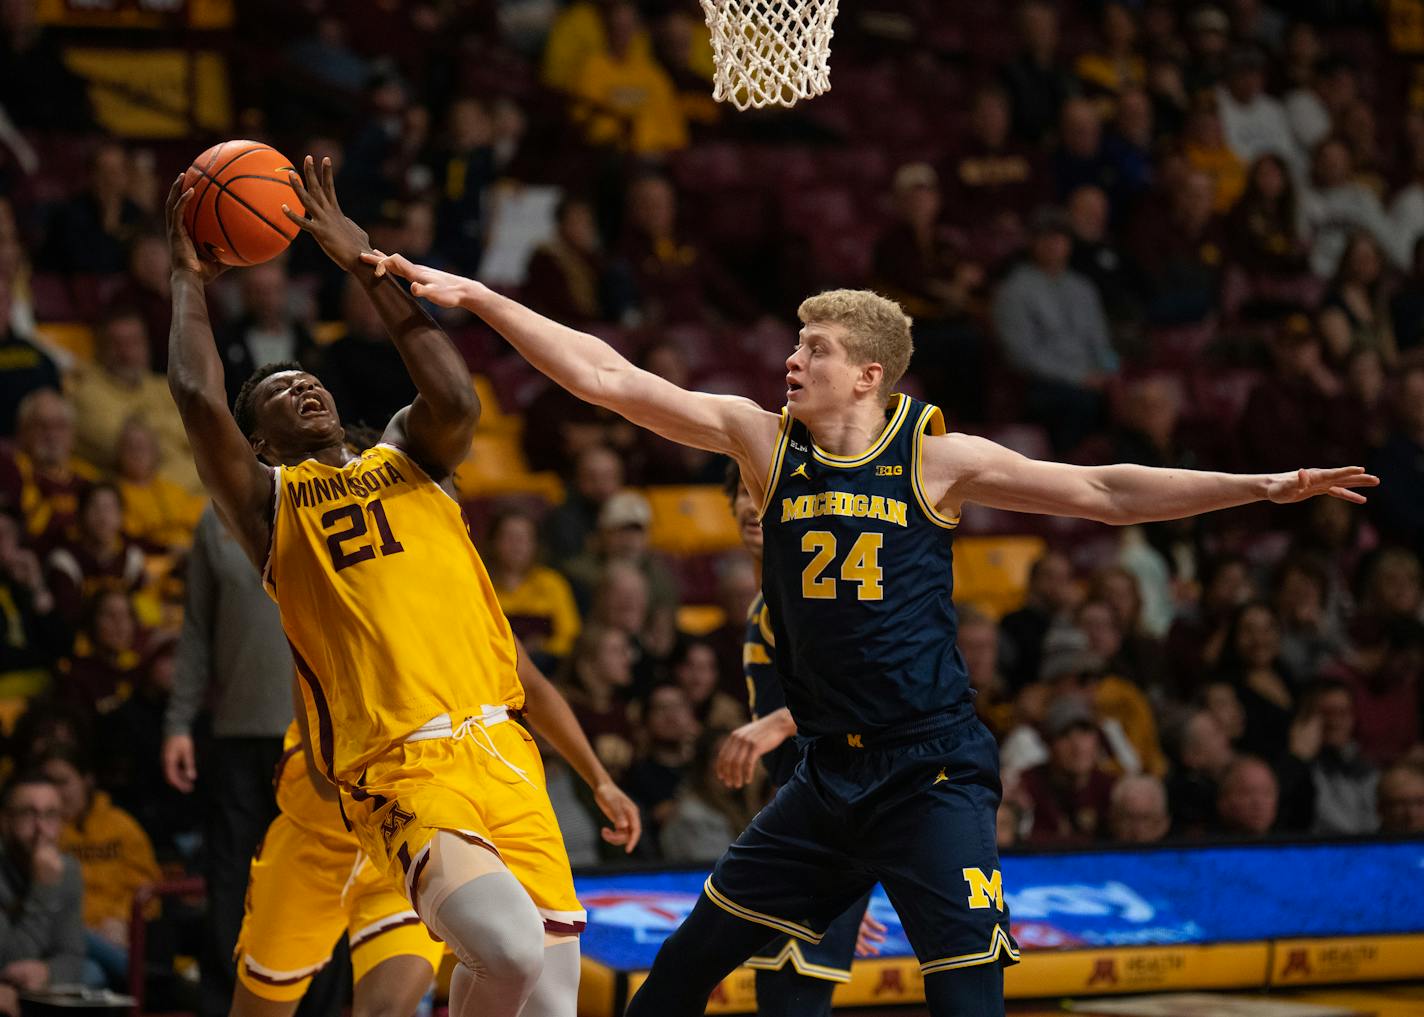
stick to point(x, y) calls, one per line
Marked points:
point(235, 215)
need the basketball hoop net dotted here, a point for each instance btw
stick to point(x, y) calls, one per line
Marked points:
point(770, 52)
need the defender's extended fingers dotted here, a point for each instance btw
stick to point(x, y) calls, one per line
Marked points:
point(395, 264)
point(328, 179)
point(1347, 495)
point(309, 174)
point(295, 180)
point(302, 221)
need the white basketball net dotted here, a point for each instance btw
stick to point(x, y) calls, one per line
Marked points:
point(770, 52)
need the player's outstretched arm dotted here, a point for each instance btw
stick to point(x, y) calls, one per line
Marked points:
point(596, 373)
point(240, 485)
point(435, 429)
point(551, 717)
point(961, 468)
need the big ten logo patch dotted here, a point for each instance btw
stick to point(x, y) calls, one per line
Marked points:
point(890, 471)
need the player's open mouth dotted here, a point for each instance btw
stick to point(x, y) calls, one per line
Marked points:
point(310, 406)
point(792, 387)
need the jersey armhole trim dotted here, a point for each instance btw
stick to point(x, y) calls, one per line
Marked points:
point(778, 457)
point(764, 626)
point(931, 420)
point(421, 470)
point(267, 580)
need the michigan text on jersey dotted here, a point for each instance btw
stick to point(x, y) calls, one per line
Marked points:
point(842, 503)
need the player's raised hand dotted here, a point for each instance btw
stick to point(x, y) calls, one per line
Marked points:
point(622, 813)
point(441, 288)
point(181, 251)
point(1285, 488)
point(341, 239)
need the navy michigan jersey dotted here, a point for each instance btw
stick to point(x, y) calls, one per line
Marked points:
point(857, 578)
point(764, 692)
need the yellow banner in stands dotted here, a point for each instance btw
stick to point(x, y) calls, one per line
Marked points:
point(135, 13)
point(144, 93)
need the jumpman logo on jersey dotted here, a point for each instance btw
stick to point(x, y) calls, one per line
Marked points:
point(800, 471)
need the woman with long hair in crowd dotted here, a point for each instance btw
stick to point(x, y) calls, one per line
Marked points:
point(1252, 661)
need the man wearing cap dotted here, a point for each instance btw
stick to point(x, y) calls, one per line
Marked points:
point(1054, 330)
point(622, 536)
point(1070, 794)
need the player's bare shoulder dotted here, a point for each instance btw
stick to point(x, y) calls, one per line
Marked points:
point(948, 461)
point(748, 424)
point(753, 433)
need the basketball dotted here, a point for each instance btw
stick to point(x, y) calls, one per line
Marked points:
point(235, 216)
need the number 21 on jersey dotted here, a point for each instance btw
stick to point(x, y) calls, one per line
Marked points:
point(354, 519)
point(860, 566)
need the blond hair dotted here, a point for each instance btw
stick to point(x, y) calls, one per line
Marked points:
point(877, 331)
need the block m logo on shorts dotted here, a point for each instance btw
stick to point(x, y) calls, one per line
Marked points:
point(985, 891)
point(395, 822)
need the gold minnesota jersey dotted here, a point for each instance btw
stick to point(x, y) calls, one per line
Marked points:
point(298, 799)
point(390, 612)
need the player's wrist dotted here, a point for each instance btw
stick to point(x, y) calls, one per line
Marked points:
point(475, 295)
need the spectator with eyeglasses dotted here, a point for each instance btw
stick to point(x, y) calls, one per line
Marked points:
point(41, 894)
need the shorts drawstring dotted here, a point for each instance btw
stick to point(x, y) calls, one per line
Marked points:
point(476, 728)
point(486, 741)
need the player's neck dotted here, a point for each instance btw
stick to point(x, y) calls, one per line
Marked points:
point(337, 455)
point(852, 430)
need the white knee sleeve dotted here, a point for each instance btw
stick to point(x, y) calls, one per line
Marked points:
point(497, 934)
point(556, 994)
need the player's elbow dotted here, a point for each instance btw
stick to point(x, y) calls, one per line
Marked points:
point(455, 404)
point(1102, 504)
point(1112, 514)
point(606, 385)
point(193, 398)
point(464, 404)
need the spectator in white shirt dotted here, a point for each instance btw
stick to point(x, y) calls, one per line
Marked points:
point(1255, 123)
point(1406, 212)
point(1314, 109)
point(1337, 205)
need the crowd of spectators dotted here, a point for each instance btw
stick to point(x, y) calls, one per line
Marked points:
point(1172, 234)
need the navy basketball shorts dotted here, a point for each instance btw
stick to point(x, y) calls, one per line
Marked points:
point(913, 808)
point(829, 960)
